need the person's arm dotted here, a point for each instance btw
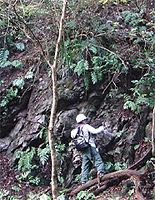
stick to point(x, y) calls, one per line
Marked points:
point(93, 130)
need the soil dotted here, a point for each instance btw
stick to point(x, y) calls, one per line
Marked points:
point(11, 185)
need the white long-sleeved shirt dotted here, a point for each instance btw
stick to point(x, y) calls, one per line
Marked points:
point(88, 131)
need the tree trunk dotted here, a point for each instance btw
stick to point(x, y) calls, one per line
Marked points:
point(36, 42)
point(54, 184)
point(153, 132)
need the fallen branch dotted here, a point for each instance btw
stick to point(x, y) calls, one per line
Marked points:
point(140, 163)
point(121, 174)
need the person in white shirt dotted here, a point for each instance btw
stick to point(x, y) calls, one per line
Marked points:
point(90, 155)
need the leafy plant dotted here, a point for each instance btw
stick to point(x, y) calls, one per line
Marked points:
point(136, 147)
point(115, 2)
point(131, 105)
point(98, 63)
point(45, 197)
point(3, 193)
point(43, 154)
point(117, 166)
point(119, 134)
point(16, 188)
point(85, 195)
point(3, 56)
point(20, 46)
point(26, 165)
point(109, 166)
point(60, 151)
point(11, 93)
point(19, 82)
point(4, 60)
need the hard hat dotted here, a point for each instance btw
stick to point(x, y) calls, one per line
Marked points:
point(80, 118)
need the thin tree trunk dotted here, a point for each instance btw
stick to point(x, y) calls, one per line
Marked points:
point(153, 132)
point(54, 183)
point(36, 42)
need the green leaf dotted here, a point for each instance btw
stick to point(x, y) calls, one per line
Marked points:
point(93, 49)
point(16, 188)
point(45, 197)
point(20, 46)
point(19, 83)
point(6, 64)
point(119, 133)
point(3, 55)
point(17, 63)
point(136, 147)
point(131, 105)
point(82, 65)
point(94, 77)
point(44, 154)
point(118, 166)
point(29, 75)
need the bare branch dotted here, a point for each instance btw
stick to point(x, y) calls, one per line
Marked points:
point(36, 41)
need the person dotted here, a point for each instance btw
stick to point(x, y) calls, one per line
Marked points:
point(90, 155)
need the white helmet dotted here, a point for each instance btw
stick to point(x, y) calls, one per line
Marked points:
point(80, 118)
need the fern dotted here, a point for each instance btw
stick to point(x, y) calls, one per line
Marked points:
point(87, 80)
point(81, 67)
point(3, 56)
point(19, 82)
point(131, 105)
point(27, 166)
point(4, 62)
point(43, 154)
point(29, 75)
point(25, 160)
point(94, 77)
point(17, 64)
point(93, 49)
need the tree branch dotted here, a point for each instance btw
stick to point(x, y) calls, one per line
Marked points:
point(36, 39)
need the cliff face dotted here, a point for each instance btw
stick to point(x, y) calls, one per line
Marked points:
point(27, 117)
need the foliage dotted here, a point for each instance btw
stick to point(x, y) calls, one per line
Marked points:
point(16, 188)
point(11, 93)
point(14, 88)
point(20, 46)
point(26, 165)
point(117, 166)
point(85, 195)
point(119, 134)
point(3, 56)
point(94, 62)
point(4, 60)
point(43, 154)
point(5, 194)
point(32, 196)
point(61, 155)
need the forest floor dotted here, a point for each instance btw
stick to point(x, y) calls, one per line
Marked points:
point(11, 188)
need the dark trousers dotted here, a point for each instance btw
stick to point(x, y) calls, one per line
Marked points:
point(90, 156)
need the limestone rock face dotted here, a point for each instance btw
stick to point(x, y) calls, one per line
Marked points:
point(123, 129)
